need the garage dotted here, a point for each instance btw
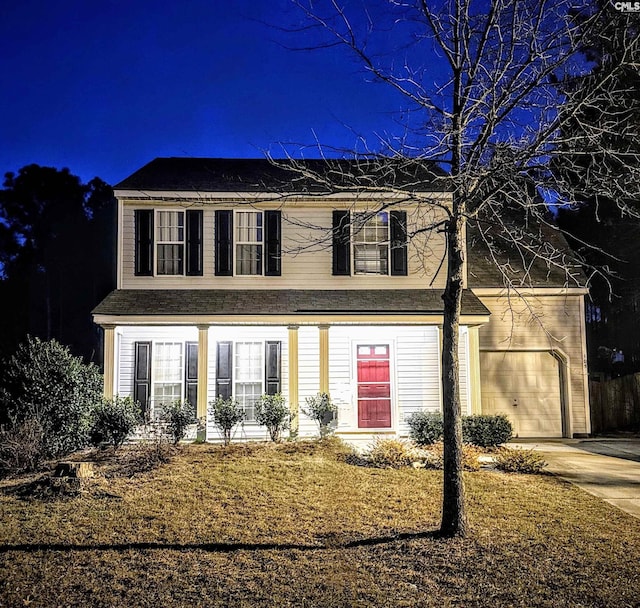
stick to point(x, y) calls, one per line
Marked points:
point(527, 387)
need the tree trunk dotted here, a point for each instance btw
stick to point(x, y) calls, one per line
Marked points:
point(454, 520)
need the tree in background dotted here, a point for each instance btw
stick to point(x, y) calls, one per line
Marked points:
point(484, 92)
point(604, 232)
point(56, 255)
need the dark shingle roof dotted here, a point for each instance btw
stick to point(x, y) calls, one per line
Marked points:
point(254, 302)
point(263, 175)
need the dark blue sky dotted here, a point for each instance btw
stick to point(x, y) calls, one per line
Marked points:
point(104, 86)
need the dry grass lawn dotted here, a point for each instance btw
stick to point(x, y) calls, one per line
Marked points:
point(294, 525)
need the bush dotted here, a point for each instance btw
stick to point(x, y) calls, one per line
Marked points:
point(435, 457)
point(113, 420)
point(486, 431)
point(226, 415)
point(45, 383)
point(321, 409)
point(21, 447)
point(425, 428)
point(272, 412)
point(178, 416)
point(519, 461)
point(391, 453)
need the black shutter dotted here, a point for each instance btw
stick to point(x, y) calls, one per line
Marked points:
point(144, 242)
point(191, 373)
point(272, 244)
point(341, 243)
point(272, 367)
point(142, 375)
point(224, 243)
point(194, 242)
point(398, 236)
point(224, 367)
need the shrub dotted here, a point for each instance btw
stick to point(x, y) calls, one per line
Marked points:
point(425, 428)
point(486, 431)
point(226, 415)
point(391, 453)
point(178, 416)
point(272, 412)
point(435, 457)
point(45, 383)
point(113, 420)
point(21, 447)
point(519, 461)
point(321, 409)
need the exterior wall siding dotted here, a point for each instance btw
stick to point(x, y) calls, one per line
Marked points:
point(306, 257)
point(543, 323)
point(415, 368)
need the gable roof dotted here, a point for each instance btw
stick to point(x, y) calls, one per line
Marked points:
point(286, 175)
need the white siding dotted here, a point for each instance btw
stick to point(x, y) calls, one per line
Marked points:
point(308, 374)
point(306, 260)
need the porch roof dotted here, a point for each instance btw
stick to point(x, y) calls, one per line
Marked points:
point(255, 302)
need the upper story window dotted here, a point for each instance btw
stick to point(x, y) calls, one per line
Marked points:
point(170, 242)
point(370, 245)
point(249, 242)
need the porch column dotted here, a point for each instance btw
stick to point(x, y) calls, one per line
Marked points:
point(293, 380)
point(475, 390)
point(109, 354)
point(203, 370)
point(324, 358)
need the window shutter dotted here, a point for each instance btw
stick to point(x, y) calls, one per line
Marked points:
point(194, 242)
point(398, 237)
point(224, 243)
point(272, 367)
point(142, 375)
point(191, 373)
point(144, 242)
point(341, 243)
point(224, 367)
point(272, 243)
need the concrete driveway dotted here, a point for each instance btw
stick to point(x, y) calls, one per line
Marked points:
point(606, 468)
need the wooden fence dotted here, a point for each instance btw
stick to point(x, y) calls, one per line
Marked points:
point(615, 404)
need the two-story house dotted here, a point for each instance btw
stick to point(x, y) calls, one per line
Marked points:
point(239, 277)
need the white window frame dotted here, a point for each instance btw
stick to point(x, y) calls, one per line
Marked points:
point(360, 231)
point(261, 367)
point(158, 242)
point(155, 368)
point(237, 242)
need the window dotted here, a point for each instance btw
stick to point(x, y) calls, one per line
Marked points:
point(377, 245)
point(246, 370)
point(248, 239)
point(371, 244)
point(165, 372)
point(248, 374)
point(170, 242)
point(247, 243)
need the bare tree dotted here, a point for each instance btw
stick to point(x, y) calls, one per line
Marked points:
point(484, 89)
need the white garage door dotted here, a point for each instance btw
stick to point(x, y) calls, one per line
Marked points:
point(526, 387)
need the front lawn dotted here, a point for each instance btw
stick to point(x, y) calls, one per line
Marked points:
point(294, 525)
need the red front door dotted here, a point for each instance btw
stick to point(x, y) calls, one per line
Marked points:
point(374, 386)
